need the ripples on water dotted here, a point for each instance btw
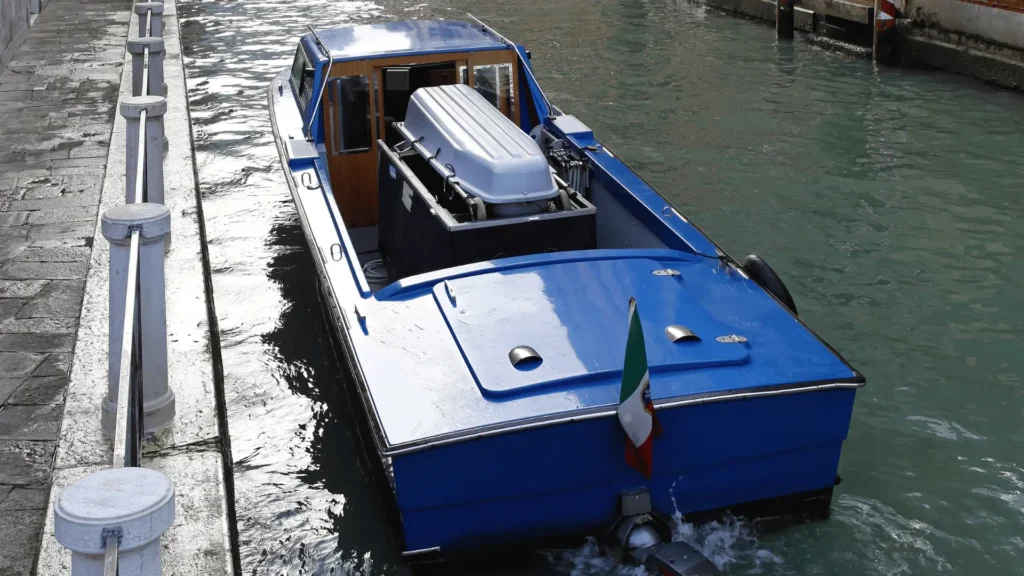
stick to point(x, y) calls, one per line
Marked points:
point(889, 201)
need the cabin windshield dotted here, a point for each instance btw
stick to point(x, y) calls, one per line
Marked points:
point(302, 79)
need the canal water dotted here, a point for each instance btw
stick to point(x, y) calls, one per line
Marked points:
point(890, 201)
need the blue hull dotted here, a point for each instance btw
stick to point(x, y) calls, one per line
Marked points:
point(539, 482)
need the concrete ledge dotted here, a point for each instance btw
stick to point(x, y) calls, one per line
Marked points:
point(190, 450)
point(8, 51)
point(964, 55)
point(759, 9)
point(853, 11)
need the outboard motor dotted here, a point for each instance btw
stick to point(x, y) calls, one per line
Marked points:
point(641, 537)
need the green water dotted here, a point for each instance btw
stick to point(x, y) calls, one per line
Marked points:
point(889, 201)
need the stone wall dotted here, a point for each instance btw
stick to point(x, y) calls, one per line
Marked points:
point(1000, 21)
point(14, 21)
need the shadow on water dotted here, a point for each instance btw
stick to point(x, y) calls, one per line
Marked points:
point(888, 200)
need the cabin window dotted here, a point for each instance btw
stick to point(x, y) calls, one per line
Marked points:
point(302, 78)
point(494, 82)
point(349, 105)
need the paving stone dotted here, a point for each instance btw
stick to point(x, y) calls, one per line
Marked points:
point(12, 246)
point(65, 200)
point(36, 342)
point(62, 231)
point(43, 270)
point(39, 326)
point(21, 288)
point(11, 233)
point(13, 218)
point(25, 499)
point(8, 386)
point(37, 391)
point(41, 192)
point(25, 463)
point(70, 214)
point(61, 253)
point(30, 422)
point(57, 364)
point(19, 534)
point(59, 299)
point(9, 308)
point(13, 364)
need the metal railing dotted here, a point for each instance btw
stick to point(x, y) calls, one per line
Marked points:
point(138, 399)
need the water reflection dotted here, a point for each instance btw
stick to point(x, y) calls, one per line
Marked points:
point(888, 200)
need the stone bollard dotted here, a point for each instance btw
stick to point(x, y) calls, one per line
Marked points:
point(785, 10)
point(132, 108)
point(137, 48)
point(134, 505)
point(156, 22)
point(154, 224)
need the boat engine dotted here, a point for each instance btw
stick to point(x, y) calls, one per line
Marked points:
point(641, 537)
point(467, 185)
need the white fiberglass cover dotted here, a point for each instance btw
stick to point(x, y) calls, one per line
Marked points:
point(493, 159)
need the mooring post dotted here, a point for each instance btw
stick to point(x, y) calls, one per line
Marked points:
point(885, 48)
point(784, 13)
point(133, 506)
point(132, 109)
point(137, 48)
point(153, 221)
point(156, 28)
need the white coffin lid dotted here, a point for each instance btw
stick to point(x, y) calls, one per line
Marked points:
point(493, 159)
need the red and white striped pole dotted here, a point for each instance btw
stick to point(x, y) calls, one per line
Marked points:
point(886, 46)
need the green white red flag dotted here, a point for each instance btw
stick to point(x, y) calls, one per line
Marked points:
point(636, 411)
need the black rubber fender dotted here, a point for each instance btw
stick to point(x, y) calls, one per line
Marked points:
point(760, 272)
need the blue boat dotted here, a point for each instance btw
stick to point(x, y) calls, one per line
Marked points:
point(476, 250)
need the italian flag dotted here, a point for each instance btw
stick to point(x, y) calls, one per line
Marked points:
point(636, 411)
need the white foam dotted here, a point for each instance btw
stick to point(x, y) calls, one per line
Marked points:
point(725, 542)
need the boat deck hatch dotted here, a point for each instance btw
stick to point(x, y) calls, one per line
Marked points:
point(572, 318)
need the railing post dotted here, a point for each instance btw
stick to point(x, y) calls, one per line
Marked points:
point(157, 30)
point(885, 44)
point(134, 505)
point(137, 48)
point(154, 224)
point(132, 108)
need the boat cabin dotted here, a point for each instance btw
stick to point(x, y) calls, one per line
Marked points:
point(371, 78)
point(423, 129)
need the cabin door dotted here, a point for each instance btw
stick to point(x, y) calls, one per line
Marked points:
point(349, 137)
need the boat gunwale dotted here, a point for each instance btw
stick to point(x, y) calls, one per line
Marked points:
point(524, 424)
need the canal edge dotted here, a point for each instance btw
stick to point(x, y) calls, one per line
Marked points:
point(191, 451)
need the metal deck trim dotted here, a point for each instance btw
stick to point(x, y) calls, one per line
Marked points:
point(522, 425)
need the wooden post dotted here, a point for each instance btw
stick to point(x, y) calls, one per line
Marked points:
point(784, 18)
point(885, 48)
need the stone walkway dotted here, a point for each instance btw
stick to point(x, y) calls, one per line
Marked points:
point(58, 99)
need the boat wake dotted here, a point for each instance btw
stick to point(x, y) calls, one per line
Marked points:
point(726, 542)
